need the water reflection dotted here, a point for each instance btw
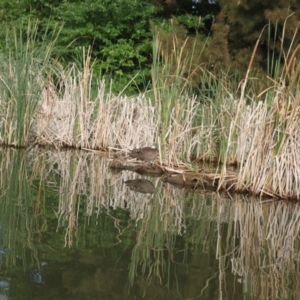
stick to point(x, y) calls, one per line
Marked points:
point(70, 229)
point(143, 186)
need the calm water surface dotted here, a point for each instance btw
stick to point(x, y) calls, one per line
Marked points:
point(71, 229)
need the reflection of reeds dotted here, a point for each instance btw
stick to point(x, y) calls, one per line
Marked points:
point(269, 248)
point(259, 239)
point(153, 252)
point(21, 211)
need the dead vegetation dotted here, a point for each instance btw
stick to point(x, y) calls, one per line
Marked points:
point(257, 133)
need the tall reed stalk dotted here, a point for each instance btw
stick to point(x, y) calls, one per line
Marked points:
point(180, 114)
point(270, 131)
point(23, 67)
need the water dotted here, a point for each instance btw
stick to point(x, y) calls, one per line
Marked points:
point(71, 229)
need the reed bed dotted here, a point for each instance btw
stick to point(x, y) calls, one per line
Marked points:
point(46, 104)
point(106, 121)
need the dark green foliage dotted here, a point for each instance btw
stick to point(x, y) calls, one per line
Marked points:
point(222, 33)
point(196, 16)
point(118, 32)
point(218, 44)
point(246, 21)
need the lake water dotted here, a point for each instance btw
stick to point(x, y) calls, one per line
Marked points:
point(71, 229)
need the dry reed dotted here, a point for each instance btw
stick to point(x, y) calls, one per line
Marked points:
point(262, 137)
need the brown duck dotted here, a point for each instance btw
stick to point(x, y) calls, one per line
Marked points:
point(141, 186)
point(145, 153)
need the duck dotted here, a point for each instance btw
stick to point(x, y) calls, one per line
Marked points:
point(141, 186)
point(146, 153)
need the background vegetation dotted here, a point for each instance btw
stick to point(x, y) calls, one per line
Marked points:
point(120, 33)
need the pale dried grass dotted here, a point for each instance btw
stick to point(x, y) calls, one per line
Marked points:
point(263, 140)
point(103, 122)
point(262, 137)
point(268, 148)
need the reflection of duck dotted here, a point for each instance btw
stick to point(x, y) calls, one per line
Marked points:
point(146, 153)
point(141, 186)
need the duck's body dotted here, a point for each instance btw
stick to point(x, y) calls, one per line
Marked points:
point(145, 153)
point(141, 185)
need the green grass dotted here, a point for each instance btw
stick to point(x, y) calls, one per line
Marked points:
point(23, 68)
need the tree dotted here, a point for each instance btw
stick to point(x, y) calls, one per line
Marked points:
point(247, 19)
point(118, 32)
